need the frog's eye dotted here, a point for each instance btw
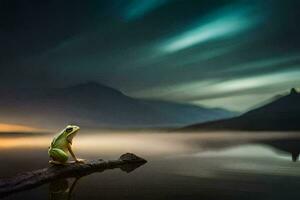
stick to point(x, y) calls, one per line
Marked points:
point(69, 130)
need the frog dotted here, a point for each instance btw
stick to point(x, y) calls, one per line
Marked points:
point(61, 146)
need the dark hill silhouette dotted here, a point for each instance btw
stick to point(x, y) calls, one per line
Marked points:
point(95, 105)
point(281, 114)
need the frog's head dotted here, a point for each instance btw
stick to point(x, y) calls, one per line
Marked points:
point(70, 132)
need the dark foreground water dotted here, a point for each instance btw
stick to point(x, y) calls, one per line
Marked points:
point(180, 166)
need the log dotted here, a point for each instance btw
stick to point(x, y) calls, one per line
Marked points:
point(127, 163)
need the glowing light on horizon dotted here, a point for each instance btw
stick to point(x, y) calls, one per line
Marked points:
point(25, 142)
point(16, 128)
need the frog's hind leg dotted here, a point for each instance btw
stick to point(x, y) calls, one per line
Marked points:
point(58, 156)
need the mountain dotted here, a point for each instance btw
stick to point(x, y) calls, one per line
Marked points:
point(281, 114)
point(95, 105)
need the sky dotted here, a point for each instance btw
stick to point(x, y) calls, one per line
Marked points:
point(216, 53)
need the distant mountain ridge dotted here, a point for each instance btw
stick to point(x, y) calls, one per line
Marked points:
point(95, 105)
point(282, 114)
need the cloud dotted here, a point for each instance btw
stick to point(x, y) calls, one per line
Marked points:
point(239, 103)
point(224, 24)
point(138, 8)
point(197, 91)
point(265, 63)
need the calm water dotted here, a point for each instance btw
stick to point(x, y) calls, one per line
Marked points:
point(180, 166)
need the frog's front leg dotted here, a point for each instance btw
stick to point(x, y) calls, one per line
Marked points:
point(58, 156)
point(73, 155)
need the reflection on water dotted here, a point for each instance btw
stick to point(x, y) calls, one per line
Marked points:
point(181, 165)
point(289, 145)
point(61, 189)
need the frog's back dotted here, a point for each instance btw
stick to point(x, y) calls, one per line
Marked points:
point(59, 142)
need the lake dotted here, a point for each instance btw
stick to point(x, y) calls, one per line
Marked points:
point(224, 165)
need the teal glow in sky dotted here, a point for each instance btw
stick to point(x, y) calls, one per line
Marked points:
point(226, 53)
point(227, 23)
point(138, 8)
point(214, 92)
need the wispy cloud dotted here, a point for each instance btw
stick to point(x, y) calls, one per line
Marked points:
point(198, 91)
point(265, 63)
point(223, 24)
point(138, 8)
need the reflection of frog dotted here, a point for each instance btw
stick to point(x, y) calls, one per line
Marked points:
point(61, 145)
point(60, 189)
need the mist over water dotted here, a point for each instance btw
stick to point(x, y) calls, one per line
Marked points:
point(227, 165)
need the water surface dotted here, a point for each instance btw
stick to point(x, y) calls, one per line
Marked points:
point(226, 165)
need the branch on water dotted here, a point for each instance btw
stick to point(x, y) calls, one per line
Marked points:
point(127, 162)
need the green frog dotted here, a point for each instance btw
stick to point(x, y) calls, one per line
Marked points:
point(61, 145)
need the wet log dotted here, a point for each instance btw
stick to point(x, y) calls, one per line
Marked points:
point(127, 163)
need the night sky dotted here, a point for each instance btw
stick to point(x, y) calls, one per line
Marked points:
point(230, 54)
